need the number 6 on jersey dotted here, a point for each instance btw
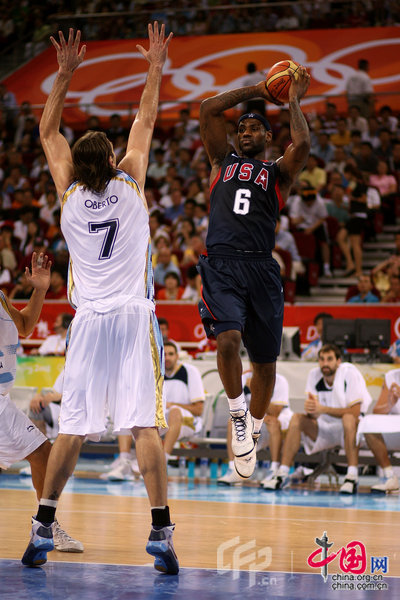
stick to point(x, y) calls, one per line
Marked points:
point(242, 201)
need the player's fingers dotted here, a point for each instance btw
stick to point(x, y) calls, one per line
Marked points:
point(77, 38)
point(55, 44)
point(62, 40)
point(169, 38)
point(82, 53)
point(70, 36)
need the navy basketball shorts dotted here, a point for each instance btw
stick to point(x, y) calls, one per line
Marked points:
point(243, 293)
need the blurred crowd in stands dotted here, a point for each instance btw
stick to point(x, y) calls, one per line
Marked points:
point(348, 190)
point(34, 21)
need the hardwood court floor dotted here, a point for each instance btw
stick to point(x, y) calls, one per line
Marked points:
point(209, 534)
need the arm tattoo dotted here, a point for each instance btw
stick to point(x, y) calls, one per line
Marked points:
point(297, 119)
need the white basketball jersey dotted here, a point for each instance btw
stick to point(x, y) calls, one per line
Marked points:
point(391, 377)
point(8, 348)
point(108, 238)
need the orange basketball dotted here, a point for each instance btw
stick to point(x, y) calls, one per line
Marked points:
point(278, 79)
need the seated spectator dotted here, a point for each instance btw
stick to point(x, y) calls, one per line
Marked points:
point(157, 226)
point(22, 290)
point(336, 396)
point(164, 265)
point(387, 119)
point(323, 149)
point(58, 286)
point(384, 149)
point(50, 207)
point(55, 344)
point(8, 257)
point(177, 208)
point(160, 243)
point(5, 278)
point(157, 170)
point(172, 290)
point(355, 121)
point(387, 187)
point(313, 174)
point(342, 136)
point(201, 220)
point(284, 240)
point(193, 252)
point(391, 266)
point(276, 423)
point(367, 160)
point(365, 293)
point(393, 294)
point(308, 214)
point(385, 183)
point(115, 128)
point(357, 223)
point(388, 404)
point(185, 397)
point(192, 291)
point(311, 351)
point(44, 408)
point(184, 231)
point(330, 118)
point(338, 162)
point(337, 209)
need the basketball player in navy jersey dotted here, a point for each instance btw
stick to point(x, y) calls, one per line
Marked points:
point(242, 296)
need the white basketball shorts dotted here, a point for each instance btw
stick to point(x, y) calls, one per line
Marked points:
point(114, 366)
point(19, 437)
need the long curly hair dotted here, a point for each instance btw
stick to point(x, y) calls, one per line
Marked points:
point(90, 156)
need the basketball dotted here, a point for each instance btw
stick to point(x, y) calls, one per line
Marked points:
point(278, 79)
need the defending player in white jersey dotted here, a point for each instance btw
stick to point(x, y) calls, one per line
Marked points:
point(114, 362)
point(19, 438)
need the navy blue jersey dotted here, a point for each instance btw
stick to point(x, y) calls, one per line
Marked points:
point(244, 205)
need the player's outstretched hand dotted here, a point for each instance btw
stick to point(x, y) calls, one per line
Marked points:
point(68, 55)
point(158, 49)
point(300, 83)
point(40, 277)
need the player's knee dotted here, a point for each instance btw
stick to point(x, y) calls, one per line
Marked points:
point(349, 422)
point(174, 415)
point(228, 344)
point(296, 422)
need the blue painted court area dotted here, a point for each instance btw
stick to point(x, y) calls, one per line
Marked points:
point(215, 493)
point(68, 581)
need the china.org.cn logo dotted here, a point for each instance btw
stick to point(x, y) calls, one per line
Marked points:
point(353, 562)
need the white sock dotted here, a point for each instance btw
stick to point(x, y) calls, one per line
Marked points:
point(257, 424)
point(231, 465)
point(125, 455)
point(388, 472)
point(352, 472)
point(274, 466)
point(238, 403)
point(283, 470)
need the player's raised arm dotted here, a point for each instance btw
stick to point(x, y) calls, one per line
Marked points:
point(212, 120)
point(136, 160)
point(295, 157)
point(55, 146)
point(26, 318)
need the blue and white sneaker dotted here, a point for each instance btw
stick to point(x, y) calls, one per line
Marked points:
point(40, 544)
point(277, 482)
point(161, 547)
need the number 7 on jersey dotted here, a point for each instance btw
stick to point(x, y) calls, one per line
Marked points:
point(111, 228)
